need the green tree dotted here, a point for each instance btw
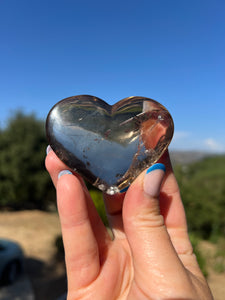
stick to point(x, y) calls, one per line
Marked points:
point(202, 187)
point(24, 183)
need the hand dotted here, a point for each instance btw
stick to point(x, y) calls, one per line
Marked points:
point(150, 256)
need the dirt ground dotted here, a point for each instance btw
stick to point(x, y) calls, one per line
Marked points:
point(36, 232)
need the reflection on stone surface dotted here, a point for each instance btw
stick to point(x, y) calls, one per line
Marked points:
point(109, 145)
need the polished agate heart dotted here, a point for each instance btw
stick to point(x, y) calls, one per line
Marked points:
point(108, 145)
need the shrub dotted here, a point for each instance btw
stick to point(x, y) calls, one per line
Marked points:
point(202, 186)
point(24, 182)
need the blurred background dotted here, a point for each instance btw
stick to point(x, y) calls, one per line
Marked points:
point(171, 51)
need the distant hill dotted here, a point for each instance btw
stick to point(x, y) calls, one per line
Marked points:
point(187, 157)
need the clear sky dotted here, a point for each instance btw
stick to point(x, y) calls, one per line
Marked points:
point(170, 50)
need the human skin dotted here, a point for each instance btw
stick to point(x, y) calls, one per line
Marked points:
point(150, 256)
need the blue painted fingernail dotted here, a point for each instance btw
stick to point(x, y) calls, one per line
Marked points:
point(156, 167)
point(124, 190)
point(48, 149)
point(64, 172)
point(153, 179)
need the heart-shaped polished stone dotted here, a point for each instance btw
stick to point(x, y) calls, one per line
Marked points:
point(109, 145)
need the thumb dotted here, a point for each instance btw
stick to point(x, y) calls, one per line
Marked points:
point(141, 205)
point(154, 256)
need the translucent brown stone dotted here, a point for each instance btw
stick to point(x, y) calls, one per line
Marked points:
point(109, 145)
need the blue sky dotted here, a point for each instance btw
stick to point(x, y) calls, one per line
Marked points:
point(171, 51)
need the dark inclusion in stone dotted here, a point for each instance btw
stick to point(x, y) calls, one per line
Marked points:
point(108, 145)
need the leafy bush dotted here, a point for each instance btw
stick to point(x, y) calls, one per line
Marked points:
point(24, 182)
point(202, 187)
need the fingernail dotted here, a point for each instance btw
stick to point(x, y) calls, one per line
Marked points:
point(64, 172)
point(48, 149)
point(124, 190)
point(153, 179)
